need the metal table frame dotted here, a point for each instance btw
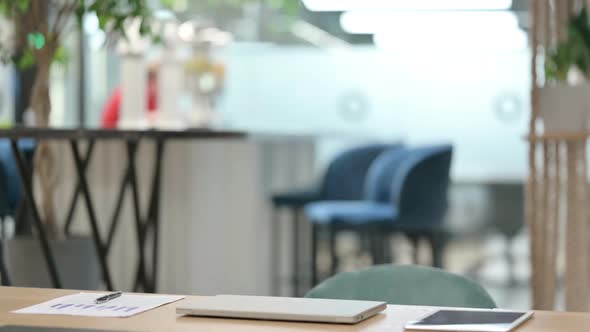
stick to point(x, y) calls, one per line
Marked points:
point(144, 222)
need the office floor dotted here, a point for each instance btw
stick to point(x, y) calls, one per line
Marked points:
point(487, 263)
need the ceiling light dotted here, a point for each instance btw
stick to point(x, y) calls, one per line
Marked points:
point(345, 5)
point(442, 40)
point(365, 22)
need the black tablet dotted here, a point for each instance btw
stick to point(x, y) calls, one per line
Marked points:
point(471, 320)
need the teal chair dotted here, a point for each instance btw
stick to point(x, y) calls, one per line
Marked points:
point(405, 284)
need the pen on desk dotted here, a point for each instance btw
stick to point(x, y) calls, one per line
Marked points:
point(108, 297)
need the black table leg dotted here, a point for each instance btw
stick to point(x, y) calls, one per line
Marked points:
point(3, 271)
point(91, 214)
point(27, 184)
point(154, 211)
point(149, 283)
point(77, 192)
point(140, 275)
point(22, 219)
point(116, 214)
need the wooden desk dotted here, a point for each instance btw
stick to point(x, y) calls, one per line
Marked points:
point(165, 319)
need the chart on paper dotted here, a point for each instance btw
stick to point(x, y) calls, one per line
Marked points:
point(82, 304)
point(82, 307)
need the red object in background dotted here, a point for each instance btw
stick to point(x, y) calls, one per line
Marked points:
point(112, 109)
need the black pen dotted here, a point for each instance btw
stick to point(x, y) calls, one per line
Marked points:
point(108, 297)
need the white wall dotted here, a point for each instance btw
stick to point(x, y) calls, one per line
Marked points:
point(417, 97)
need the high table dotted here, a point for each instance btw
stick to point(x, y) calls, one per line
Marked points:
point(143, 221)
point(165, 318)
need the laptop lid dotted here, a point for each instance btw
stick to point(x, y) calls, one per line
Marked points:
point(282, 308)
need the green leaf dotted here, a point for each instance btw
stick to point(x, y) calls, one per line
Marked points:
point(36, 40)
point(61, 55)
point(292, 7)
point(94, 7)
point(102, 22)
point(4, 8)
point(168, 3)
point(144, 27)
point(23, 5)
point(113, 13)
point(80, 11)
point(27, 60)
point(573, 52)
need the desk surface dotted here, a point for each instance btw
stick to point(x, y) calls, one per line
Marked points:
point(165, 319)
point(68, 133)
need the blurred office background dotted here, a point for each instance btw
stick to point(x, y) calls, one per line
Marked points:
point(309, 79)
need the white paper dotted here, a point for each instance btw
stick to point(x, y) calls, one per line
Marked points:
point(82, 304)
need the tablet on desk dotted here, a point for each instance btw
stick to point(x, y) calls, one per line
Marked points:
point(282, 308)
point(471, 321)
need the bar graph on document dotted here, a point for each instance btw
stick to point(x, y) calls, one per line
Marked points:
point(82, 304)
point(61, 306)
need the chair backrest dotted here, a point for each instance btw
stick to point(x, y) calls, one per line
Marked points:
point(381, 173)
point(420, 184)
point(345, 176)
point(11, 185)
point(406, 285)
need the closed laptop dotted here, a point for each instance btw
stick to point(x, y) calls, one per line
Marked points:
point(282, 308)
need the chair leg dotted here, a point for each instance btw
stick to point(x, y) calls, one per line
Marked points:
point(375, 247)
point(437, 243)
point(365, 243)
point(415, 241)
point(333, 255)
point(295, 274)
point(3, 270)
point(4, 274)
point(275, 252)
point(387, 257)
point(511, 261)
point(22, 220)
point(3, 228)
point(314, 255)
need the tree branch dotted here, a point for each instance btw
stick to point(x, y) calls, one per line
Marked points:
point(62, 18)
point(60, 13)
point(34, 9)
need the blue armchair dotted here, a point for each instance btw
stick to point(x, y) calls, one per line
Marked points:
point(4, 208)
point(10, 186)
point(11, 202)
point(343, 180)
point(405, 191)
point(419, 190)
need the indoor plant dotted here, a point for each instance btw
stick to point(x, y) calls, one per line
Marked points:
point(564, 101)
point(38, 30)
point(35, 41)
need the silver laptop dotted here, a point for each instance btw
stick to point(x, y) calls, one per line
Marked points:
point(282, 308)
